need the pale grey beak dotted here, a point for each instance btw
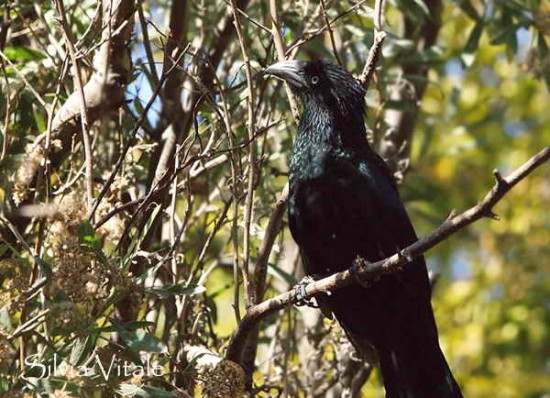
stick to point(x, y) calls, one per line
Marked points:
point(293, 72)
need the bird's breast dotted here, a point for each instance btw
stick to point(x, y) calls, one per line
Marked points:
point(329, 219)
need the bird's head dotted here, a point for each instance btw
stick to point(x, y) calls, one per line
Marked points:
point(321, 83)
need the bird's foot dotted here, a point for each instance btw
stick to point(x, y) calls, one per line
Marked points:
point(357, 265)
point(300, 294)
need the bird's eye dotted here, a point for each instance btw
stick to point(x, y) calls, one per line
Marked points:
point(315, 80)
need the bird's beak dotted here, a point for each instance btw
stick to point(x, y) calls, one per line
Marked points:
point(291, 72)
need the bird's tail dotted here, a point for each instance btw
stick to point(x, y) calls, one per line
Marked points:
point(414, 371)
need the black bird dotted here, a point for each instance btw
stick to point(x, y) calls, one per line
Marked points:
point(344, 204)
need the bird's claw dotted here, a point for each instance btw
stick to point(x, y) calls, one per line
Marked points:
point(356, 266)
point(300, 294)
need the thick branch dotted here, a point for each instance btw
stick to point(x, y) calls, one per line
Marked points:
point(391, 264)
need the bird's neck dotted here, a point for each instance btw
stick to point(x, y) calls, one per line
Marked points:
point(324, 133)
point(331, 125)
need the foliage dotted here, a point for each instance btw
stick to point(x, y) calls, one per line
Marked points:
point(462, 88)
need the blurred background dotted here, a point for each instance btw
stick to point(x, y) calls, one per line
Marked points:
point(145, 219)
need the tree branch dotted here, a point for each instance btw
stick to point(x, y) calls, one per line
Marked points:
point(376, 49)
point(391, 264)
point(372, 59)
point(280, 47)
point(79, 88)
point(395, 144)
point(104, 91)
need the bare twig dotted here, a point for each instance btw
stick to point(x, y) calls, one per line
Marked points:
point(147, 44)
point(391, 264)
point(394, 140)
point(272, 230)
point(376, 49)
point(251, 123)
point(24, 79)
point(17, 234)
point(132, 134)
point(330, 32)
point(312, 35)
point(103, 92)
point(82, 101)
point(374, 54)
point(7, 116)
point(280, 47)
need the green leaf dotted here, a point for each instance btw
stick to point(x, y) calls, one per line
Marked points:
point(432, 55)
point(468, 8)
point(281, 274)
point(135, 244)
point(176, 290)
point(123, 327)
point(544, 53)
point(22, 53)
point(138, 106)
point(155, 392)
point(5, 321)
point(86, 235)
point(505, 35)
point(131, 390)
point(517, 6)
point(423, 7)
point(468, 55)
point(415, 10)
point(4, 385)
point(86, 232)
point(140, 340)
point(78, 350)
point(396, 46)
point(39, 119)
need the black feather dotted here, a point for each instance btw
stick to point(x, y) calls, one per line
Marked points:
point(343, 203)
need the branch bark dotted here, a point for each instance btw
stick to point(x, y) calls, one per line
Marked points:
point(395, 145)
point(103, 93)
point(376, 49)
point(79, 88)
point(391, 264)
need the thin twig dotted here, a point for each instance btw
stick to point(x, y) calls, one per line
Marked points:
point(374, 54)
point(272, 230)
point(147, 43)
point(280, 47)
point(330, 32)
point(27, 84)
point(83, 109)
point(132, 134)
point(219, 157)
point(235, 192)
point(7, 116)
point(252, 167)
point(391, 264)
point(376, 49)
point(20, 238)
point(249, 18)
point(311, 35)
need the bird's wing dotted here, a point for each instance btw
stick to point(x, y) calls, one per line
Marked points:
point(394, 228)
